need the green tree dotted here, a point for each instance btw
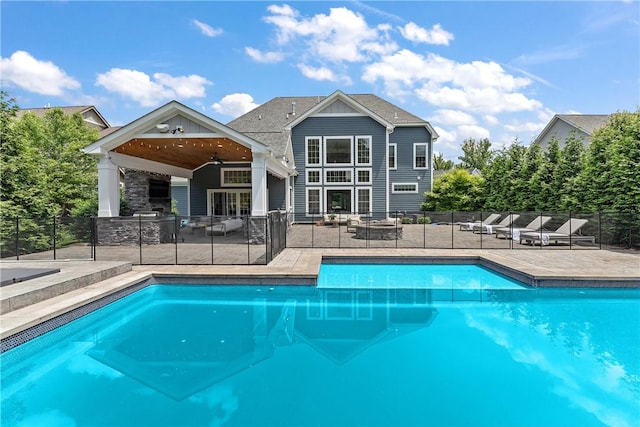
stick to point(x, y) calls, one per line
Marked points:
point(610, 179)
point(542, 183)
point(45, 172)
point(567, 172)
point(476, 154)
point(502, 178)
point(456, 190)
point(440, 164)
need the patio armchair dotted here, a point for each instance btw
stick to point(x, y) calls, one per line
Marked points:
point(566, 233)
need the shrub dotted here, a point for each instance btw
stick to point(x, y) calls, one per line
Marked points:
point(424, 220)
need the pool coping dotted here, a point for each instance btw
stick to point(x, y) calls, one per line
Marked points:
point(298, 268)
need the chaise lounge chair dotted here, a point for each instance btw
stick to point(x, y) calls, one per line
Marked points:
point(489, 229)
point(468, 226)
point(509, 232)
point(566, 233)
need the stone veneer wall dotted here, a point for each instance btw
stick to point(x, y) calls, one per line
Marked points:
point(136, 192)
point(131, 230)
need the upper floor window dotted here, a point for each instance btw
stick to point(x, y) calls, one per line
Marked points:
point(236, 177)
point(338, 150)
point(393, 148)
point(313, 176)
point(313, 151)
point(363, 150)
point(338, 176)
point(420, 155)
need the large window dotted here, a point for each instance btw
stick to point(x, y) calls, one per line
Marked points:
point(393, 148)
point(338, 150)
point(420, 155)
point(313, 201)
point(363, 150)
point(313, 151)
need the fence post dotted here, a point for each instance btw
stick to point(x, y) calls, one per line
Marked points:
point(54, 238)
point(94, 236)
point(17, 239)
point(600, 231)
point(140, 236)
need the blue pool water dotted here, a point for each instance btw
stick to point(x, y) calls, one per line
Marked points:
point(194, 355)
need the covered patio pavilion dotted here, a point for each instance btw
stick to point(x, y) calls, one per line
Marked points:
point(175, 140)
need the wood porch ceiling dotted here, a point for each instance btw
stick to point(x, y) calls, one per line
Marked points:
point(188, 153)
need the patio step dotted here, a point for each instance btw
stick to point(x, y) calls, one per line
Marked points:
point(72, 275)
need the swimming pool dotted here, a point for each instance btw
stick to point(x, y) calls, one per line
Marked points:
point(192, 355)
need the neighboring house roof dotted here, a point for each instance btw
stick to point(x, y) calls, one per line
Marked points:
point(90, 114)
point(585, 123)
point(270, 122)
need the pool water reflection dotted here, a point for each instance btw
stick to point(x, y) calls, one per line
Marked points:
point(238, 356)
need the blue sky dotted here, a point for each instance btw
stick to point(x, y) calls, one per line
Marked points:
point(497, 70)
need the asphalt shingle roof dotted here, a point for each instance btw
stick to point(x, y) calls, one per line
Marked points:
point(586, 122)
point(267, 122)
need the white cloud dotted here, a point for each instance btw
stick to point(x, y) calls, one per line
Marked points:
point(321, 73)
point(490, 120)
point(453, 117)
point(475, 86)
point(185, 87)
point(436, 35)
point(235, 104)
point(43, 77)
point(472, 131)
point(148, 92)
point(342, 35)
point(207, 29)
point(264, 57)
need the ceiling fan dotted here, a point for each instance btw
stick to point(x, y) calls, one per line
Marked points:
point(216, 160)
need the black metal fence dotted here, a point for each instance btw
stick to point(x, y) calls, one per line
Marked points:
point(147, 240)
point(469, 230)
point(257, 240)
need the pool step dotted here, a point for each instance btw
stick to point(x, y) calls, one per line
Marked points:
point(72, 276)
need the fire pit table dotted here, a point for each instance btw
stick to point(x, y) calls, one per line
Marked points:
point(379, 231)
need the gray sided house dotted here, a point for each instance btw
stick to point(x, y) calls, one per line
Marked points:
point(352, 153)
point(305, 155)
point(562, 125)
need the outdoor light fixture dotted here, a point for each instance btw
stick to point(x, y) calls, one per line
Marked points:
point(179, 129)
point(216, 160)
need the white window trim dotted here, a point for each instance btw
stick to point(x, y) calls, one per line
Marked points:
point(320, 201)
point(426, 154)
point(355, 150)
point(306, 151)
point(245, 184)
point(357, 195)
point(326, 181)
point(393, 188)
point(307, 181)
point(324, 150)
point(395, 157)
point(351, 189)
point(358, 182)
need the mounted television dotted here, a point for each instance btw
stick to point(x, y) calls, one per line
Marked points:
point(159, 189)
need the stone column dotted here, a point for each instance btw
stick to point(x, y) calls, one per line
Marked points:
point(108, 188)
